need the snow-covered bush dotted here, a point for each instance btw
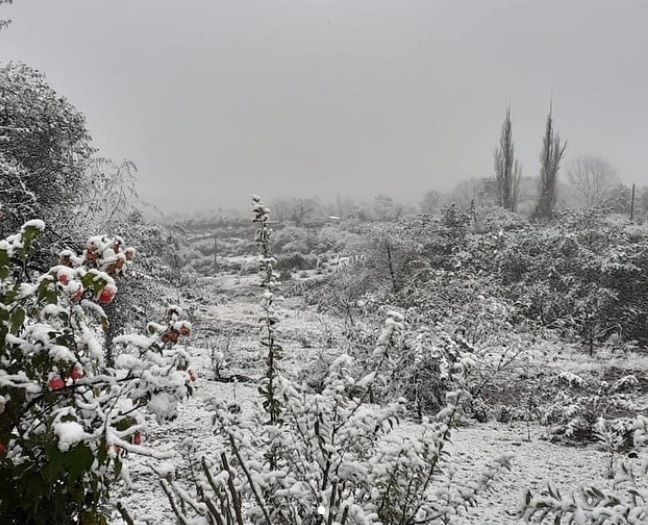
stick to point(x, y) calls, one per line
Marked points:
point(293, 239)
point(391, 257)
point(585, 275)
point(296, 261)
point(45, 147)
point(333, 239)
point(331, 457)
point(574, 414)
point(343, 294)
point(335, 458)
point(66, 418)
point(220, 355)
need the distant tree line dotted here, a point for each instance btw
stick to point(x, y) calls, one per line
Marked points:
point(591, 183)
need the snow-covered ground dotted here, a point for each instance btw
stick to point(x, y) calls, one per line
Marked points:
point(535, 461)
point(232, 312)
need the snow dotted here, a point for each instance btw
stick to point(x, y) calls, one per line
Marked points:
point(34, 223)
point(166, 468)
point(473, 447)
point(62, 353)
point(69, 433)
point(162, 405)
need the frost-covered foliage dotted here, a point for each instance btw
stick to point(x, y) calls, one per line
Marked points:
point(45, 145)
point(66, 418)
point(583, 276)
point(19, 204)
point(576, 411)
point(332, 457)
point(391, 257)
point(294, 239)
point(338, 459)
point(511, 290)
point(625, 503)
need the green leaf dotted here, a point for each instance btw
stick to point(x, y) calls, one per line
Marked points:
point(29, 235)
point(88, 280)
point(125, 423)
point(118, 467)
point(79, 460)
point(54, 465)
point(17, 319)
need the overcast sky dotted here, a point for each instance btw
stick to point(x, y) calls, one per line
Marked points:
point(215, 100)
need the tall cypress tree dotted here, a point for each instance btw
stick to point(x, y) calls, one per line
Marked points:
point(552, 153)
point(507, 168)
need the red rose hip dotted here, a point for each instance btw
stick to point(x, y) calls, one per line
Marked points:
point(107, 294)
point(56, 383)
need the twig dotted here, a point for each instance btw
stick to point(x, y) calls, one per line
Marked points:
point(236, 499)
point(124, 514)
point(256, 494)
point(174, 507)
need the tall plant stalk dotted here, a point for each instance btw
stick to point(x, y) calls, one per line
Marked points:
point(270, 387)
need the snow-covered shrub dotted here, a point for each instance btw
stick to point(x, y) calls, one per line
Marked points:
point(624, 383)
point(614, 436)
point(390, 257)
point(584, 275)
point(575, 416)
point(331, 239)
point(343, 294)
point(66, 418)
point(292, 239)
point(423, 373)
point(45, 147)
point(331, 457)
point(219, 355)
point(625, 503)
point(571, 379)
point(336, 458)
point(296, 261)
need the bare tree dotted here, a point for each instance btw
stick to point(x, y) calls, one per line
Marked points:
point(344, 206)
point(281, 209)
point(431, 203)
point(507, 167)
point(386, 208)
point(475, 192)
point(593, 178)
point(552, 153)
point(302, 209)
point(294, 209)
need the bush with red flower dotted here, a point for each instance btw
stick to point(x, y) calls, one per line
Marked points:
point(66, 417)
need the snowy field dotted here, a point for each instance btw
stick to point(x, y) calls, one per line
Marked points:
point(534, 462)
point(233, 310)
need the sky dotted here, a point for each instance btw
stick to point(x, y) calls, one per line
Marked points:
point(215, 100)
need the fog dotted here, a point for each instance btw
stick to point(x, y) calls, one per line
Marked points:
point(214, 100)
